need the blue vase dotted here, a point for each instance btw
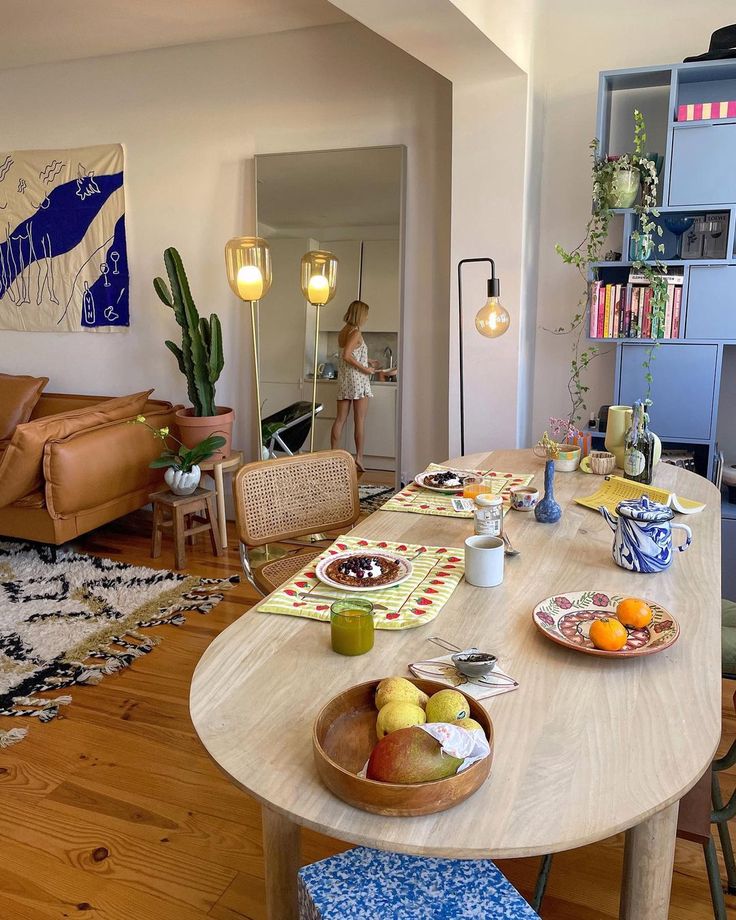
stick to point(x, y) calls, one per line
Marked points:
point(548, 511)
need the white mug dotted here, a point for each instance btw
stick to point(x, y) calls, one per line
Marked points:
point(484, 561)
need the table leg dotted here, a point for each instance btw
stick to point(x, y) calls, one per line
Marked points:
point(220, 492)
point(282, 854)
point(649, 856)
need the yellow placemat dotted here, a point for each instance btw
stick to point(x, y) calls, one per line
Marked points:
point(615, 489)
point(436, 572)
point(416, 500)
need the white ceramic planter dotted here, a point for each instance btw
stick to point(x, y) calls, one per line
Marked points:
point(182, 483)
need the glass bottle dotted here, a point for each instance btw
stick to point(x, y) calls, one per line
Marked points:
point(639, 447)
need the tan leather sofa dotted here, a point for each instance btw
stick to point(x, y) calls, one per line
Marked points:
point(85, 478)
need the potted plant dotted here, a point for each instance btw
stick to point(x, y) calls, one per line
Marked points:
point(199, 357)
point(563, 450)
point(182, 463)
point(608, 180)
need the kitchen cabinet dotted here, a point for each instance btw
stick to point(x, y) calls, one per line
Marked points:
point(348, 282)
point(380, 284)
point(380, 428)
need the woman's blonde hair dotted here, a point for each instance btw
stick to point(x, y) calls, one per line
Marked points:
point(356, 313)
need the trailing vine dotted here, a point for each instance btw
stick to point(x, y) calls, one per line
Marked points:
point(589, 252)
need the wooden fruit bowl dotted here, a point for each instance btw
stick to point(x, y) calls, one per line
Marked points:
point(343, 737)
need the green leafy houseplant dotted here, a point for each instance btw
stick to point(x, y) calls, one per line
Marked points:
point(200, 356)
point(182, 458)
point(589, 252)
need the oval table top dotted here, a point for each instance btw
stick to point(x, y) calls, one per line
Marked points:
point(585, 747)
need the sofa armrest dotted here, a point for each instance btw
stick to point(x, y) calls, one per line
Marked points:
point(98, 465)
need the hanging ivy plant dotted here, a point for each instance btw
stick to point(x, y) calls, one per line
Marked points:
point(606, 173)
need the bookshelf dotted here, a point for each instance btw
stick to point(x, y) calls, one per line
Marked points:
point(694, 390)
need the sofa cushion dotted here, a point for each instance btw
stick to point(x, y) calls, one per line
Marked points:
point(21, 468)
point(18, 396)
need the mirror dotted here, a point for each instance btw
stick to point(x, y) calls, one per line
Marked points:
point(349, 202)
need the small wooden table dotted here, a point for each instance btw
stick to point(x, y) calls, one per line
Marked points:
point(199, 507)
point(218, 468)
point(585, 748)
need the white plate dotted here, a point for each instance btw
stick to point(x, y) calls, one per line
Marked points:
point(471, 477)
point(406, 570)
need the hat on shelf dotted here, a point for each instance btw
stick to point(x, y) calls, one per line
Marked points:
point(722, 45)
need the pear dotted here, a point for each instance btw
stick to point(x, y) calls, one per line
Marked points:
point(447, 706)
point(469, 724)
point(396, 715)
point(410, 755)
point(399, 689)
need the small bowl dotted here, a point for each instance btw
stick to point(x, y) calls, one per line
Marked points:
point(523, 498)
point(602, 462)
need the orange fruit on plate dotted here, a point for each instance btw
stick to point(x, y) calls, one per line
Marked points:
point(608, 635)
point(634, 613)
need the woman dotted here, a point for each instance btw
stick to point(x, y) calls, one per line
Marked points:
point(353, 378)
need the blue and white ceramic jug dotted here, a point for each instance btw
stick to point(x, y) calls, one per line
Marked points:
point(642, 539)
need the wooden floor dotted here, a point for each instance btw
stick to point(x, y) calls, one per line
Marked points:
point(115, 812)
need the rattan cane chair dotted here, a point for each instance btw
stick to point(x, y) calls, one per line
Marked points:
point(277, 501)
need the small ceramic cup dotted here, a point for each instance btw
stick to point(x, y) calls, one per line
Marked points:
point(601, 462)
point(484, 561)
point(523, 498)
point(568, 459)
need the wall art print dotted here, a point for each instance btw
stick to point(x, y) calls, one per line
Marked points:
point(63, 258)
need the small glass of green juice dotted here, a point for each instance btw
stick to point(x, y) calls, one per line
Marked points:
point(351, 623)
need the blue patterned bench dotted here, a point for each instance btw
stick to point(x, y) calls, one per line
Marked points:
point(364, 884)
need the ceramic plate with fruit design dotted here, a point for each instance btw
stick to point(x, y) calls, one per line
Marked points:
point(447, 481)
point(357, 570)
point(567, 618)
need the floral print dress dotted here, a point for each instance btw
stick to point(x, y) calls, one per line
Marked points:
point(352, 383)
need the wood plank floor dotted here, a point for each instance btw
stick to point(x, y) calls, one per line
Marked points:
point(114, 811)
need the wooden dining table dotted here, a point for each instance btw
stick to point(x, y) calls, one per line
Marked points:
point(585, 748)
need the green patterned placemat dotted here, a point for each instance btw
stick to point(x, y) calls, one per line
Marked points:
point(436, 571)
point(416, 500)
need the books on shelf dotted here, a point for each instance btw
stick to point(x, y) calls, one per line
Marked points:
point(624, 311)
point(701, 111)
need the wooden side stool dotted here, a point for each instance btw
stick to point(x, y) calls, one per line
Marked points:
point(187, 515)
point(218, 467)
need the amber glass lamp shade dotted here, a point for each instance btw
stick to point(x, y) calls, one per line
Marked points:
point(248, 264)
point(492, 319)
point(319, 276)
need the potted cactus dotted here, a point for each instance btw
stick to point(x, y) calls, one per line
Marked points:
point(199, 357)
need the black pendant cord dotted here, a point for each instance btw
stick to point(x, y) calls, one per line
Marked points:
point(491, 288)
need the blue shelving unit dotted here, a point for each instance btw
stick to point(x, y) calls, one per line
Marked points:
point(698, 178)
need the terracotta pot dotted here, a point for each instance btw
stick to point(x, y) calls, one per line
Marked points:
point(193, 428)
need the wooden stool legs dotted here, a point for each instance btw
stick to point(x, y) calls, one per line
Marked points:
point(189, 516)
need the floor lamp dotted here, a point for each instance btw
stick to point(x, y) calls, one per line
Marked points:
point(491, 321)
point(319, 283)
point(248, 264)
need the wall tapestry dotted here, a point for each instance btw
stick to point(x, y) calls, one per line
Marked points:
point(63, 260)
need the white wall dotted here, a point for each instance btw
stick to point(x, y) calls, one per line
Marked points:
point(191, 118)
point(575, 40)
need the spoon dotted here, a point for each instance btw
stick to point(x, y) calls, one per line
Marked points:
point(508, 548)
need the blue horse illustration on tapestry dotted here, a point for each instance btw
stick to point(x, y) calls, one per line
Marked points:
point(63, 255)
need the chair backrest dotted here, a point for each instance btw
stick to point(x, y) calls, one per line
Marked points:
point(295, 496)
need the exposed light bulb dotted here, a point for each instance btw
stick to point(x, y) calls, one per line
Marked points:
point(318, 290)
point(492, 319)
point(249, 282)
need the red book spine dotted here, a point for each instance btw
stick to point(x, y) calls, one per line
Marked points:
point(616, 311)
point(602, 311)
point(647, 324)
point(676, 312)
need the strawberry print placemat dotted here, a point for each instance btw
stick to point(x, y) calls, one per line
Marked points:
point(436, 572)
point(416, 500)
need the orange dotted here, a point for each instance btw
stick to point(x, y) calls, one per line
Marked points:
point(634, 613)
point(609, 635)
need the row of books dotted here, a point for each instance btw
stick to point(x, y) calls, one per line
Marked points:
point(624, 311)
